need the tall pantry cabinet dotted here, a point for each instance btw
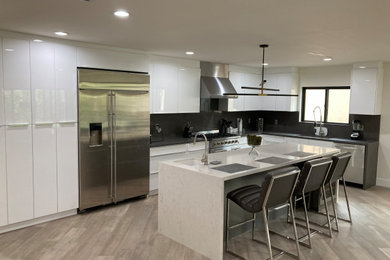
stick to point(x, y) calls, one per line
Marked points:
point(38, 129)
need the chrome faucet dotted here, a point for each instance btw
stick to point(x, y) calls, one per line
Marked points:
point(205, 157)
point(322, 131)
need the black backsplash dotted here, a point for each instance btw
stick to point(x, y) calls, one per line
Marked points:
point(285, 122)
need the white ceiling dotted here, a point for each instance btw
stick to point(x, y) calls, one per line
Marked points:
point(218, 30)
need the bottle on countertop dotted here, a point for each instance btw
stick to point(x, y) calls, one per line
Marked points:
point(239, 125)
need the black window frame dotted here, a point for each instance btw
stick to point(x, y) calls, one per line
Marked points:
point(326, 103)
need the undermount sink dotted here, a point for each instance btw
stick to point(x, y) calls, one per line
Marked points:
point(189, 162)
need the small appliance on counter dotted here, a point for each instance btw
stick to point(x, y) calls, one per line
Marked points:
point(357, 130)
point(239, 125)
point(223, 130)
point(157, 134)
point(260, 125)
point(188, 129)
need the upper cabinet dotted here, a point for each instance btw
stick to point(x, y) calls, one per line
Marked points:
point(17, 90)
point(366, 88)
point(188, 90)
point(174, 85)
point(42, 82)
point(284, 79)
point(2, 120)
point(111, 59)
point(65, 67)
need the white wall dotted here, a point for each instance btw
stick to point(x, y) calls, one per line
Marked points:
point(325, 76)
point(383, 173)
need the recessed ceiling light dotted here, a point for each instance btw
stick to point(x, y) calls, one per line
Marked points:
point(9, 49)
point(327, 59)
point(37, 40)
point(265, 64)
point(190, 52)
point(121, 13)
point(362, 67)
point(61, 33)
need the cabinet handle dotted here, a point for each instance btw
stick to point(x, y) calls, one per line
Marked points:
point(18, 125)
point(66, 122)
point(44, 124)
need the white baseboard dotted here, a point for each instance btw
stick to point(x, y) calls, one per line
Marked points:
point(383, 182)
point(36, 221)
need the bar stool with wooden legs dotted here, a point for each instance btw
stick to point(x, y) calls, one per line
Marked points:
point(277, 189)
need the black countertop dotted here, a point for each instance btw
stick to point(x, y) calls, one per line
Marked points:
point(172, 140)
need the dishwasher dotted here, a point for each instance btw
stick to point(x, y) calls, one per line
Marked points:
point(355, 170)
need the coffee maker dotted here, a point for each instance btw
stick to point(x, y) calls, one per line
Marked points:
point(357, 129)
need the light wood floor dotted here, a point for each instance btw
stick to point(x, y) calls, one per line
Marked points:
point(129, 231)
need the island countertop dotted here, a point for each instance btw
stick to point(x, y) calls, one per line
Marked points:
point(241, 156)
point(192, 196)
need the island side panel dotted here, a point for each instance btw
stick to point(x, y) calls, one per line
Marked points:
point(190, 209)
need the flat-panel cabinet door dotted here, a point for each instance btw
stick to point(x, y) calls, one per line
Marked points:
point(45, 170)
point(2, 120)
point(19, 173)
point(3, 180)
point(251, 102)
point(236, 104)
point(363, 91)
point(67, 167)
point(269, 102)
point(189, 90)
point(17, 91)
point(66, 83)
point(42, 82)
point(164, 82)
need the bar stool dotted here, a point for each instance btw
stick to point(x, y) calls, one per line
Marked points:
point(337, 171)
point(313, 177)
point(277, 189)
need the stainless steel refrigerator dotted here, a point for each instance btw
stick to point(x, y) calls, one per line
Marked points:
point(114, 136)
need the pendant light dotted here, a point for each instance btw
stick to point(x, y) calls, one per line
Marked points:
point(263, 81)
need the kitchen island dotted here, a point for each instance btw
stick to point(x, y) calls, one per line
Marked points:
point(192, 195)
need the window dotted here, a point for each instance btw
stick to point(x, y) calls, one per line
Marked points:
point(333, 102)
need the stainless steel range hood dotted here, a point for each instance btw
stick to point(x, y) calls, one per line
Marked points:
point(215, 81)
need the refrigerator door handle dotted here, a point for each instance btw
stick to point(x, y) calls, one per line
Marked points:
point(109, 113)
point(114, 141)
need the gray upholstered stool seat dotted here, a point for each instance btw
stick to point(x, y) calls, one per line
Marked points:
point(247, 197)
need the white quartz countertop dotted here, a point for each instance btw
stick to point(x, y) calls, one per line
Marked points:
point(241, 156)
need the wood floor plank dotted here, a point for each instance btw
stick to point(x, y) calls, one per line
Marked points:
point(129, 231)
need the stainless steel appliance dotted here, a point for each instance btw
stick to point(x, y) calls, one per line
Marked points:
point(357, 129)
point(219, 142)
point(214, 84)
point(114, 132)
point(355, 170)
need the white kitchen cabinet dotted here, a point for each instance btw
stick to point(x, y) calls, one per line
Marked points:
point(3, 180)
point(287, 83)
point(67, 166)
point(42, 82)
point(236, 104)
point(17, 90)
point(45, 170)
point(19, 173)
point(88, 57)
point(286, 80)
point(174, 85)
point(366, 90)
point(164, 86)
point(189, 90)
point(66, 83)
point(251, 103)
point(2, 120)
